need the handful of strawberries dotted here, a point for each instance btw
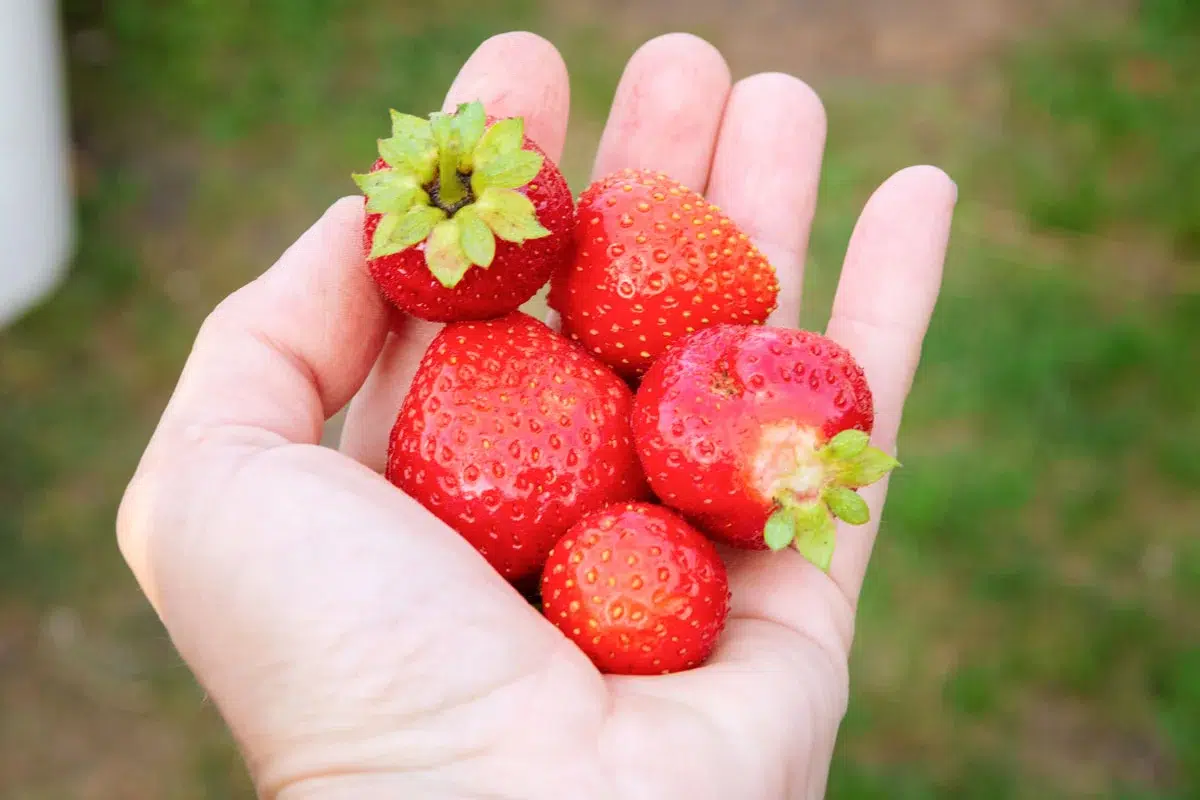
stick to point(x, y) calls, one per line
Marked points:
point(607, 459)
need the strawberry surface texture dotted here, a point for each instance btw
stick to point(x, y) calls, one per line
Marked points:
point(760, 436)
point(510, 433)
point(637, 589)
point(655, 261)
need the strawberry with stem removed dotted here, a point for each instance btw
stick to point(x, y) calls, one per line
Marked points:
point(760, 436)
point(655, 261)
point(466, 217)
point(637, 589)
point(509, 433)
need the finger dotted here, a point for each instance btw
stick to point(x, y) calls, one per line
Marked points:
point(519, 74)
point(666, 114)
point(301, 587)
point(889, 284)
point(766, 172)
point(372, 412)
point(779, 677)
point(277, 357)
point(667, 110)
point(513, 74)
point(885, 298)
point(310, 599)
point(772, 695)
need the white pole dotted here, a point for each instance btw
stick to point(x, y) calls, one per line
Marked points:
point(36, 214)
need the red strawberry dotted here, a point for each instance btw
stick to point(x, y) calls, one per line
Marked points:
point(759, 435)
point(509, 434)
point(467, 218)
point(655, 262)
point(638, 589)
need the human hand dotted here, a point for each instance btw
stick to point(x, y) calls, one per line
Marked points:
point(356, 646)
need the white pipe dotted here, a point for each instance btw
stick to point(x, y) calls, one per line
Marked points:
point(36, 208)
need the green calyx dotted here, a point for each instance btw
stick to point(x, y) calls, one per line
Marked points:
point(451, 182)
point(807, 520)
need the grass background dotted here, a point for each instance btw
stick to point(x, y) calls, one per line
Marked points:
point(1029, 626)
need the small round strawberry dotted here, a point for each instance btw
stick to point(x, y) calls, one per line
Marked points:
point(654, 262)
point(759, 435)
point(638, 589)
point(466, 217)
point(509, 433)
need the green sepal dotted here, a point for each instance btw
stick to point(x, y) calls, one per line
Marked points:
point(446, 147)
point(780, 529)
point(390, 192)
point(846, 505)
point(503, 137)
point(471, 120)
point(397, 232)
point(815, 534)
point(370, 182)
point(508, 171)
point(510, 215)
point(406, 126)
point(478, 241)
point(847, 444)
point(865, 468)
point(444, 254)
point(417, 159)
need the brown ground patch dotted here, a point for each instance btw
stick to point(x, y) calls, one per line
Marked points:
point(878, 40)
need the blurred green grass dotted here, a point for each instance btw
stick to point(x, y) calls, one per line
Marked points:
point(1028, 626)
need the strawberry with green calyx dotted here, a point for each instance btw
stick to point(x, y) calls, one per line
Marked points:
point(760, 436)
point(466, 217)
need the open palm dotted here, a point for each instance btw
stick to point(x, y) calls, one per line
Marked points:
point(356, 646)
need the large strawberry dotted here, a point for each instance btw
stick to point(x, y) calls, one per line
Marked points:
point(760, 436)
point(638, 589)
point(509, 434)
point(655, 261)
point(466, 217)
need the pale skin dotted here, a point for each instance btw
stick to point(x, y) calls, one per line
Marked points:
point(359, 648)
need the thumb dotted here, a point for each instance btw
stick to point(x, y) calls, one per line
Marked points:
point(304, 590)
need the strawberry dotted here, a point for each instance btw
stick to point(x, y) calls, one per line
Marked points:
point(655, 261)
point(638, 589)
point(759, 435)
point(509, 433)
point(466, 217)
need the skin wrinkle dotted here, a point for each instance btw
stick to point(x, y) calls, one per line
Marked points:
point(337, 786)
point(352, 296)
point(623, 763)
point(235, 318)
point(718, 722)
point(482, 754)
point(305, 373)
point(668, 110)
point(844, 630)
point(147, 505)
point(378, 737)
point(521, 674)
point(751, 569)
point(198, 506)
